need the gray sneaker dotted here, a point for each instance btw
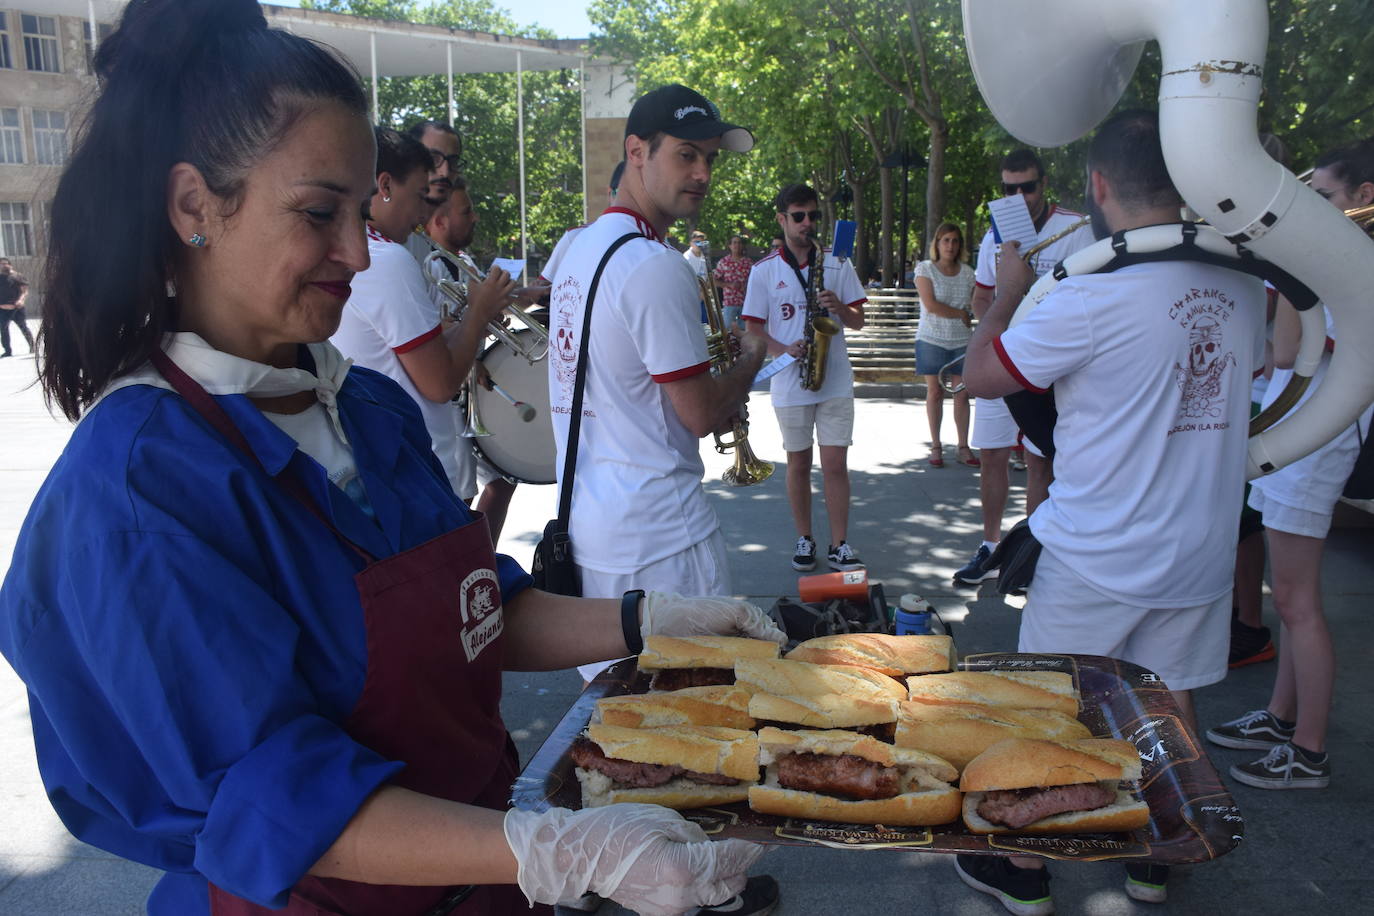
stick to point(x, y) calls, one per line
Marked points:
point(1284, 767)
point(1257, 730)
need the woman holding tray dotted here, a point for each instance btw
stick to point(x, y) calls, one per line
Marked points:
point(262, 638)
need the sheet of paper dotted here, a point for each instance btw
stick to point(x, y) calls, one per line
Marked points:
point(513, 266)
point(1011, 221)
point(773, 368)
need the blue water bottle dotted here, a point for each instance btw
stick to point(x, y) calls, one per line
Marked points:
point(913, 617)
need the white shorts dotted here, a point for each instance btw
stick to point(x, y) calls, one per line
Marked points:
point(1030, 447)
point(1187, 647)
point(701, 569)
point(833, 421)
point(993, 426)
point(1300, 498)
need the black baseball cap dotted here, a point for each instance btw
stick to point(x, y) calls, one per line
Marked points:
point(686, 114)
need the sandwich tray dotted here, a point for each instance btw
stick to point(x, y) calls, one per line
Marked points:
point(1192, 816)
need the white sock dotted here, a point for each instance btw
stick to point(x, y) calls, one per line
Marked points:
point(991, 545)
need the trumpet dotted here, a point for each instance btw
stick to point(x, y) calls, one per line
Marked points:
point(748, 468)
point(456, 294)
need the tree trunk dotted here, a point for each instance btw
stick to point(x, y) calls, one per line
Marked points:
point(935, 178)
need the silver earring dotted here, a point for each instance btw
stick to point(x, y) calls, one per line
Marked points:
point(197, 240)
point(385, 199)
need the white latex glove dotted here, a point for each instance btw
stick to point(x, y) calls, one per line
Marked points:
point(644, 857)
point(669, 614)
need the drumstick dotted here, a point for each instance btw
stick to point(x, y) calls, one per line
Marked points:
point(526, 411)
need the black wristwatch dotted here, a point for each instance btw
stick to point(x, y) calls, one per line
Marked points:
point(629, 620)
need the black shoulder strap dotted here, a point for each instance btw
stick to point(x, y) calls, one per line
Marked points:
point(575, 421)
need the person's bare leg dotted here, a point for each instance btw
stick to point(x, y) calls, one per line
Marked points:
point(1296, 562)
point(1039, 476)
point(993, 483)
point(935, 412)
point(494, 503)
point(1249, 587)
point(961, 415)
point(799, 489)
point(835, 478)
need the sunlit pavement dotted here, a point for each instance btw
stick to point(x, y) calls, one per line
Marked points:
point(914, 525)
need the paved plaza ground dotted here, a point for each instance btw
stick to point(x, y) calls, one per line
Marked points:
point(1303, 851)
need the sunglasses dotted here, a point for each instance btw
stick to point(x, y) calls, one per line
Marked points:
point(1024, 187)
point(799, 215)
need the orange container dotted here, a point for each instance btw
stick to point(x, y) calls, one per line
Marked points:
point(852, 585)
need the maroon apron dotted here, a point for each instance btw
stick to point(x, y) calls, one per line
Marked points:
point(431, 697)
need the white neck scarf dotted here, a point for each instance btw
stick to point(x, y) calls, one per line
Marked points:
point(222, 373)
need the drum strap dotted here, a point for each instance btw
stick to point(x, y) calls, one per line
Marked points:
point(575, 421)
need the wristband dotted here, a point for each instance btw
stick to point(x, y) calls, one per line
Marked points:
point(629, 620)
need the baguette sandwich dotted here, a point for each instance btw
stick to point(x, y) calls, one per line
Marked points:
point(719, 704)
point(699, 661)
point(819, 696)
point(841, 776)
point(895, 656)
point(684, 766)
point(1027, 785)
point(1009, 689)
point(959, 732)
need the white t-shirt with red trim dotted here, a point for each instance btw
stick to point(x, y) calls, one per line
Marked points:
point(1042, 262)
point(389, 312)
point(556, 256)
point(637, 495)
point(775, 296)
point(1151, 367)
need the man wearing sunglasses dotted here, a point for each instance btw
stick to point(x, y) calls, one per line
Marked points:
point(995, 432)
point(775, 307)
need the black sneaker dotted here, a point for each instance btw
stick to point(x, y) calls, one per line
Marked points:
point(844, 558)
point(759, 898)
point(1023, 891)
point(1249, 645)
point(1258, 729)
point(1147, 882)
point(1284, 767)
point(977, 569)
point(805, 558)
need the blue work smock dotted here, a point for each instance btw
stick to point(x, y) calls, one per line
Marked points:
point(192, 639)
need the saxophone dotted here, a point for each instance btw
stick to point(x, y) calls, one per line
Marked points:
point(820, 327)
point(748, 469)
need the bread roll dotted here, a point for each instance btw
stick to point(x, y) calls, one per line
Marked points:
point(702, 651)
point(730, 752)
point(720, 705)
point(793, 679)
point(1020, 763)
point(1012, 689)
point(960, 732)
point(891, 655)
point(925, 798)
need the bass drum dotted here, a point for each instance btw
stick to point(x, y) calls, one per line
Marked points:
point(524, 452)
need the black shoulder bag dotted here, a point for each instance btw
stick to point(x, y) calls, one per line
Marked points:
point(553, 568)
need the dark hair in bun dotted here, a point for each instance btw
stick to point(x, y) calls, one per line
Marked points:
point(198, 81)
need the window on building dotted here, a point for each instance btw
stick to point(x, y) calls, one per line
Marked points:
point(50, 136)
point(6, 61)
point(16, 234)
point(11, 136)
point(40, 42)
point(104, 29)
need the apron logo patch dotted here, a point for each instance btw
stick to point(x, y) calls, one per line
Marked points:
point(480, 609)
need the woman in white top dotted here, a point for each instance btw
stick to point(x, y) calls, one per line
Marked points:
point(945, 284)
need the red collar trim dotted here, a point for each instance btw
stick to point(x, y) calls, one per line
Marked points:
point(639, 219)
point(377, 236)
